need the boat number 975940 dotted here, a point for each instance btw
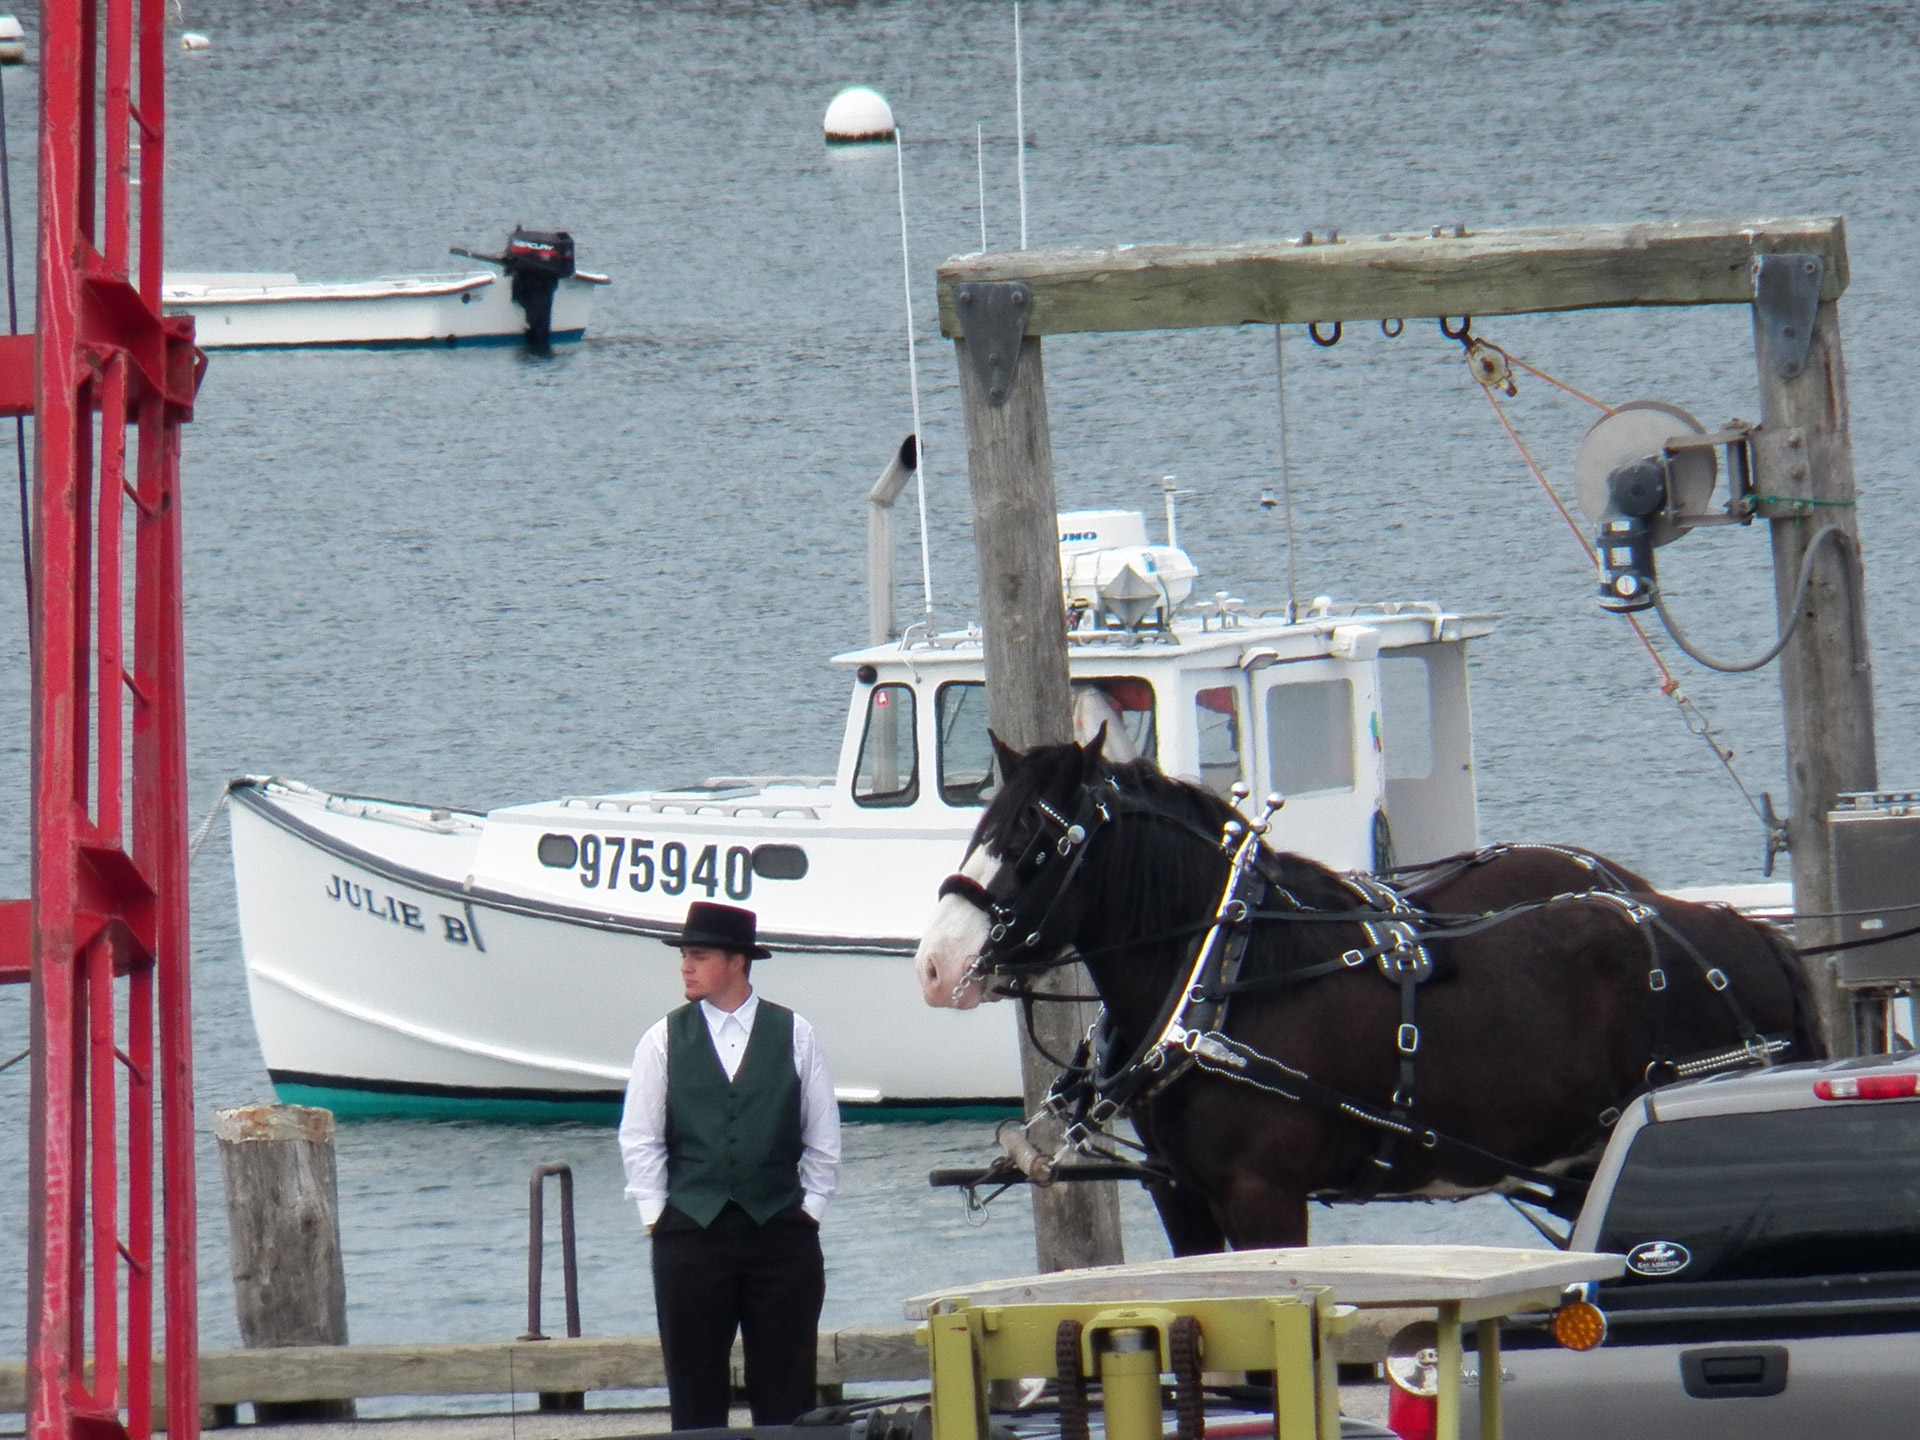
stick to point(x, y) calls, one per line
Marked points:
point(605, 862)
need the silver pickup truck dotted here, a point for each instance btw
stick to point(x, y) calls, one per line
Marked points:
point(1771, 1224)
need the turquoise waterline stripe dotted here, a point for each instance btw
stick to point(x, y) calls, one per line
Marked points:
point(381, 1105)
point(462, 342)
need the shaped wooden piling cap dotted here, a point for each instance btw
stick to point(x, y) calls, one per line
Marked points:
point(273, 1122)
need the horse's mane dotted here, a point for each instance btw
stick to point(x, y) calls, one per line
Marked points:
point(1152, 878)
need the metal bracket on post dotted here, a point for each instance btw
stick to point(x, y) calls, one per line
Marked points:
point(993, 317)
point(1786, 295)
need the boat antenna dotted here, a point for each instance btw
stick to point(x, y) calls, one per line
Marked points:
point(1020, 121)
point(1285, 502)
point(980, 178)
point(913, 372)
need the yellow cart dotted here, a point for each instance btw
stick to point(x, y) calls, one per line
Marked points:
point(1278, 1310)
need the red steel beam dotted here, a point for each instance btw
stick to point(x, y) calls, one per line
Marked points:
point(104, 938)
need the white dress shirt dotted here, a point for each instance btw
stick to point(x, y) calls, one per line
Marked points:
point(643, 1123)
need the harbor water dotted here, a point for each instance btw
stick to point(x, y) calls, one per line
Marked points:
point(476, 577)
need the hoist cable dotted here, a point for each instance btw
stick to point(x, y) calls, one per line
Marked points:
point(1691, 714)
point(1286, 473)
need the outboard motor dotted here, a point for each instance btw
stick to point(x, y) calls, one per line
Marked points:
point(538, 260)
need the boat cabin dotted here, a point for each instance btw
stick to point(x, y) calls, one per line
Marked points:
point(1357, 714)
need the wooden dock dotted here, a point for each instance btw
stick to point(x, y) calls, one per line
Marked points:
point(318, 1372)
point(853, 1356)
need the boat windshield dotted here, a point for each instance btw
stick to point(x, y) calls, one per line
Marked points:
point(1124, 704)
point(966, 754)
point(889, 769)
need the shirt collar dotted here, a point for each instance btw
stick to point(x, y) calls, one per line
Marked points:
point(716, 1017)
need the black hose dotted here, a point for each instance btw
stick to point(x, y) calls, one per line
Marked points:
point(1796, 612)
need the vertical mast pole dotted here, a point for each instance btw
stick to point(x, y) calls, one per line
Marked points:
point(1029, 700)
point(1805, 469)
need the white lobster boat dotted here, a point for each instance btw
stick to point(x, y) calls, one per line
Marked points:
point(403, 958)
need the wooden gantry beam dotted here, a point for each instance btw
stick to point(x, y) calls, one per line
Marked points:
point(1388, 277)
point(1803, 461)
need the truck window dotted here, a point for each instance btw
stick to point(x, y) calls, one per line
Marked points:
point(1784, 1195)
point(889, 770)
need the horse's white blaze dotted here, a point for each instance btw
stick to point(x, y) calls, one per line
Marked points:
point(953, 941)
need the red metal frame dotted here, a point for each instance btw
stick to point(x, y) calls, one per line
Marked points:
point(109, 754)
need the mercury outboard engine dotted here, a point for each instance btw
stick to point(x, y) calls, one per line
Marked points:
point(538, 260)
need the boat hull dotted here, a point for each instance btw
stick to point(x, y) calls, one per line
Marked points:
point(476, 309)
point(384, 982)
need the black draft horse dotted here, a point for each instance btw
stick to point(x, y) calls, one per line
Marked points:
point(1534, 1030)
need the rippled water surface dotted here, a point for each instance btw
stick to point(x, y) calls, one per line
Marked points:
point(476, 577)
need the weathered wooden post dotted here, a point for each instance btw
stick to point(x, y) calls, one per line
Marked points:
point(1016, 545)
point(283, 1220)
point(1804, 467)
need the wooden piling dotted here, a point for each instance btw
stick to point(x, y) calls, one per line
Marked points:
point(283, 1220)
point(1804, 471)
point(1017, 548)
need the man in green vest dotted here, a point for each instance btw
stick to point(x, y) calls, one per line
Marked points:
point(731, 1141)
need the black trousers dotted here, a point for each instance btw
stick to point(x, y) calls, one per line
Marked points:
point(765, 1281)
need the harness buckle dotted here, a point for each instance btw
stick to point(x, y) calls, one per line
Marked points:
point(1717, 978)
point(1402, 1100)
point(1354, 959)
point(1609, 1117)
point(998, 932)
point(1408, 1039)
point(1656, 979)
point(1234, 912)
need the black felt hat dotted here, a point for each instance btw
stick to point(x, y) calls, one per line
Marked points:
point(723, 927)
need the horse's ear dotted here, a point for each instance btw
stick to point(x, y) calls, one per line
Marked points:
point(1091, 750)
point(1005, 756)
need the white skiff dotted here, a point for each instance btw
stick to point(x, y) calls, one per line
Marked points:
point(271, 311)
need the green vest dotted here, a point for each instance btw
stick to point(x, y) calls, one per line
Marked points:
point(737, 1140)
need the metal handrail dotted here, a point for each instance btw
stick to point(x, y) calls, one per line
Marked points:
point(536, 1248)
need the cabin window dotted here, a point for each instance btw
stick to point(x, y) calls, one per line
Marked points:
point(1310, 736)
point(1406, 716)
point(966, 754)
point(1124, 704)
point(889, 770)
point(1216, 715)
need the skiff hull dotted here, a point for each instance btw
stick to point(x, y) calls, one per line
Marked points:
point(238, 312)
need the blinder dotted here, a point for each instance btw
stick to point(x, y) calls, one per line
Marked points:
point(1019, 924)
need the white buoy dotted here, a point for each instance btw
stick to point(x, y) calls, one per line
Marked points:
point(194, 40)
point(859, 116)
point(13, 41)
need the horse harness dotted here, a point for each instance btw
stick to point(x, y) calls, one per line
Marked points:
point(1096, 1087)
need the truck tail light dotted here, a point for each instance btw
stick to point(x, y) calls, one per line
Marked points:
point(1410, 1416)
point(1868, 1087)
point(1578, 1325)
